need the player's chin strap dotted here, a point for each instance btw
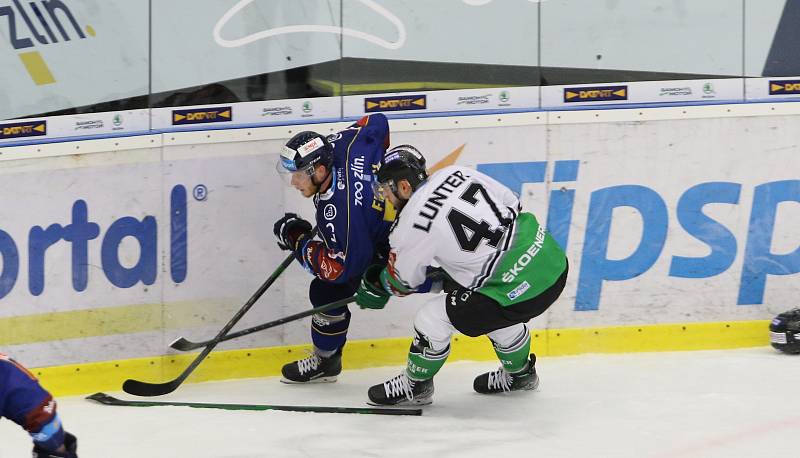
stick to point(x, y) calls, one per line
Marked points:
point(401, 203)
point(319, 185)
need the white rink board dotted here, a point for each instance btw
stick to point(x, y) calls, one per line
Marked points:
point(626, 175)
point(654, 165)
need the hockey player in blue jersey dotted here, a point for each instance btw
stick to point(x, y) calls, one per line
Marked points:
point(26, 403)
point(352, 224)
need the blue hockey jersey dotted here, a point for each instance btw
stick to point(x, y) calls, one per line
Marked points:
point(25, 402)
point(351, 221)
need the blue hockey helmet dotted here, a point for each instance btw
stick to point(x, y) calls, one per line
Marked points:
point(304, 151)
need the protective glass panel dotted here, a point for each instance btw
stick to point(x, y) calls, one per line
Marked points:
point(586, 41)
point(403, 45)
point(71, 56)
point(228, 51)
point(771, 29)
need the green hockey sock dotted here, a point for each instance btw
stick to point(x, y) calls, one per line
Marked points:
point(423, 363)
point(515, 358)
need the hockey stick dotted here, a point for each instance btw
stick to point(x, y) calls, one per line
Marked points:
point(145, 389)
point(138, 388)
point(105, 399)
point(183, 344)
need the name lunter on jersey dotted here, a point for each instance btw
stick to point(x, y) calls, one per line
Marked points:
point(438, 195)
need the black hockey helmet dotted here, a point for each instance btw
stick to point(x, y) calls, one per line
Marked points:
point(784, 332)
point(305, 150)
point(403, 162)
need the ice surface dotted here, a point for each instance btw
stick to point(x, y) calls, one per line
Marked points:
point(732, 403)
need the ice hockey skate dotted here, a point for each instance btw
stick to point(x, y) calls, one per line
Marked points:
point(401, 391)
point(313, 369)
point(501, 381)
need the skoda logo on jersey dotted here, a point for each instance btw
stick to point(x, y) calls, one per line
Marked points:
point(329, 212)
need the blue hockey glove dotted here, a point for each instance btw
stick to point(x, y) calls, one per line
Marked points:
point(289, 230)
point(70, 445)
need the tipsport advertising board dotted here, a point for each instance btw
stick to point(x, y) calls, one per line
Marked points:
point(662, 221)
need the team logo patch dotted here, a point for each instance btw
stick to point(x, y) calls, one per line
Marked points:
point(329, 212)
point(327, 268)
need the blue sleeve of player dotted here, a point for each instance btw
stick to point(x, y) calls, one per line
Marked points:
point(26, 403)
point(374, 129)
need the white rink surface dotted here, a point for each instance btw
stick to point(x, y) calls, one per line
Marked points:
point(733, 403)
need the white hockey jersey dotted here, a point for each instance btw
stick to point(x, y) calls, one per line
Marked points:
point(472, 226)
point(458, 219)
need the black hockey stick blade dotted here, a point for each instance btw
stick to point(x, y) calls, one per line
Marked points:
point(183, 344)
point(139, 388)
point(157, 389)
point(103, 398)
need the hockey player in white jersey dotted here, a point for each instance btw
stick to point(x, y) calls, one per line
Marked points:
point(502, 269)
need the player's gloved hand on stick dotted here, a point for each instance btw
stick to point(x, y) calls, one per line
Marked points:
point(370, 294)
point(289, 230)
point(70, 444)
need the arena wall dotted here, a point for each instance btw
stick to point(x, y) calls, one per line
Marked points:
point(679, 224)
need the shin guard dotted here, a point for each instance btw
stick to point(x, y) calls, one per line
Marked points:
point(329, 330)
point(423, 361)
point(512, 348)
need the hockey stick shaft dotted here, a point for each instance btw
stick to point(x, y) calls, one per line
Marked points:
point(138, 388)
point(183, 343)
point(103, 398)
